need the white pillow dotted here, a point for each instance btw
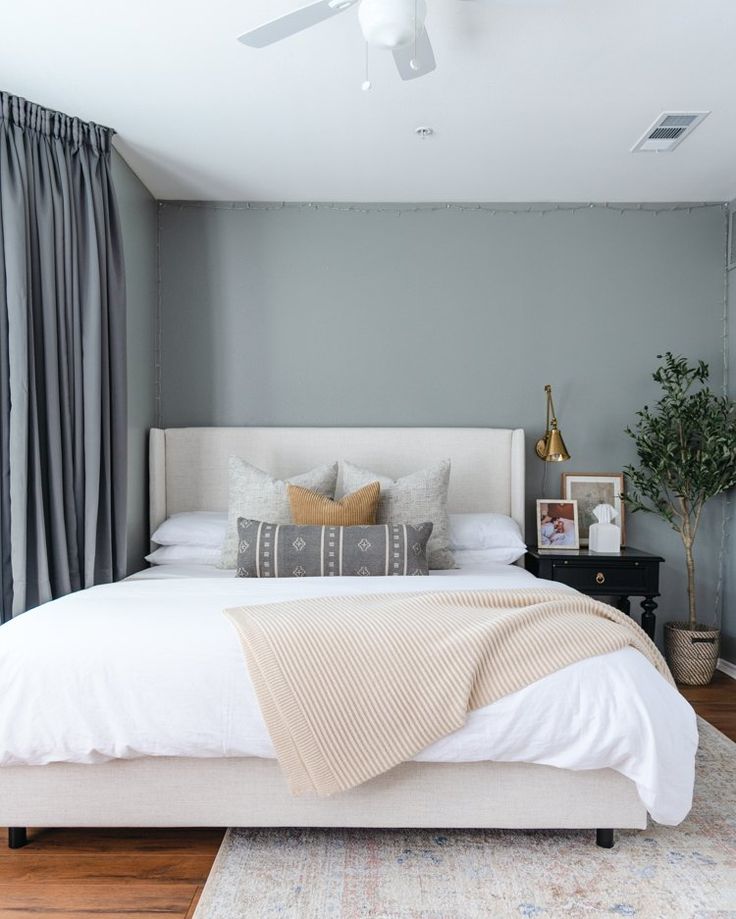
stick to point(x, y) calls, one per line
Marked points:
point(185, 555)
point(487, 531)
point(472, 558)
point(193, 528)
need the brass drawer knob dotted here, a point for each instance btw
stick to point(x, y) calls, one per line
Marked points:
point(600, 578)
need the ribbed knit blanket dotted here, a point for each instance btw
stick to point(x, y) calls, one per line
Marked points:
point(351, 686)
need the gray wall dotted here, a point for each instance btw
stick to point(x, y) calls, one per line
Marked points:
point(138, 219)
point(303, 316)
point(728, 643)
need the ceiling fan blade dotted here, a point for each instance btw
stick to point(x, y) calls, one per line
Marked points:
point(418, 53)
point(292, 23)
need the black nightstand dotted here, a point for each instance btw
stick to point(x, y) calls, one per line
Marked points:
point(630, 573)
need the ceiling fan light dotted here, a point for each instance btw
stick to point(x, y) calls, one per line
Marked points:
point(391, 23)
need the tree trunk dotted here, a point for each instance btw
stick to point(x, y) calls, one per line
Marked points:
point(690, 581)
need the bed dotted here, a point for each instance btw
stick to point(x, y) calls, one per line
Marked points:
point(161, 762)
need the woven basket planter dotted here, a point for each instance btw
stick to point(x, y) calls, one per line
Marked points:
point(692, 655)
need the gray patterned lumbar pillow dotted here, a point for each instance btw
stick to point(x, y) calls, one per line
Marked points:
point(257, 495)
point(412, 499)
point(268, 550)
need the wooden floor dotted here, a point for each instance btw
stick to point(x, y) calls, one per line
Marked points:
point(715, 702)
point(107, 873)
point(77, 874)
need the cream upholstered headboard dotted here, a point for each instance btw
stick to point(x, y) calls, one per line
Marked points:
point(188, 466)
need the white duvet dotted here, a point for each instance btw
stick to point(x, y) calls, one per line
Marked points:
point(151, 667)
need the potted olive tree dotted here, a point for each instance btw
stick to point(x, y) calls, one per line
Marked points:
point(687, 455)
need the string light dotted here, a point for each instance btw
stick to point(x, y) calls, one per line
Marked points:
point(490, 209)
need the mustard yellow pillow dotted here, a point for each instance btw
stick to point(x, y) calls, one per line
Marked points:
point(356, 509)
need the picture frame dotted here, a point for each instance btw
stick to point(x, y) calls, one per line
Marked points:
point(590, 489)
point(557, 524)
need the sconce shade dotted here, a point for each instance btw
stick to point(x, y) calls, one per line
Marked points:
point(551, 448)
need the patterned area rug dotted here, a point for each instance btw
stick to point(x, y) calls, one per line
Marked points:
point(685, 872)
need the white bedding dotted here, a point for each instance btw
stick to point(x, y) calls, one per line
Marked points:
point(151, 667)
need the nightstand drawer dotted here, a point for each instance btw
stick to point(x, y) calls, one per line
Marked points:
point(633, 579)
point(631, 573)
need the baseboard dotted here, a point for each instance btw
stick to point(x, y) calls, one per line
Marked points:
point(727, 667)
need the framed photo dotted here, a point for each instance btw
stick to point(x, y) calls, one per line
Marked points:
point(590, 489)
point(557, 524)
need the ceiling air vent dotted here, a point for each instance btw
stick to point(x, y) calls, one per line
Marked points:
point(669, 130)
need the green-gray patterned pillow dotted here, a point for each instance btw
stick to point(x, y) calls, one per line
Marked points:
point(258, 495)
point(416, 497)
point(272, 550)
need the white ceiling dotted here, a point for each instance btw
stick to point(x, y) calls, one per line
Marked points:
point(533, 102)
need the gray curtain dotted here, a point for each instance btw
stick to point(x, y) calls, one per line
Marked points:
point(63, 437)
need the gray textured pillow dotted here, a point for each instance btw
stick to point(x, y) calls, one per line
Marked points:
point(257, 495)
point(412, 499)
point(267, 550)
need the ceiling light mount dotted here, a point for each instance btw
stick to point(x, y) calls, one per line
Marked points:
point(424, 132)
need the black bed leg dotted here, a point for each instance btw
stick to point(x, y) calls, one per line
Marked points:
point(17, 837)
point(604, 838)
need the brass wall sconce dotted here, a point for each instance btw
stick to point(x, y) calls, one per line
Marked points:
point(551, 448)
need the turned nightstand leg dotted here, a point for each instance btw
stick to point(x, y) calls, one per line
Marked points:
point(624, 605)
point(648, 619)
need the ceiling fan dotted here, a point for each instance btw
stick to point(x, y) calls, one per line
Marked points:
point(395, 25)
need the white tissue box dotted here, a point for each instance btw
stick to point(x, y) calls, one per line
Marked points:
point(604, 537)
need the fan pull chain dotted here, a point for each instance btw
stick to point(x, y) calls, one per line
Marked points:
point(414, 63)
point(366, 84)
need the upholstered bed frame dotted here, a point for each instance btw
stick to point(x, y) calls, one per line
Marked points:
point(188, 466)
point(188, 471)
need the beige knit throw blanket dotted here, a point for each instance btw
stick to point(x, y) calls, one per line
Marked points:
point(351, 686)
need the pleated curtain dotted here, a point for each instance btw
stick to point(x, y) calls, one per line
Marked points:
point(63, 428)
